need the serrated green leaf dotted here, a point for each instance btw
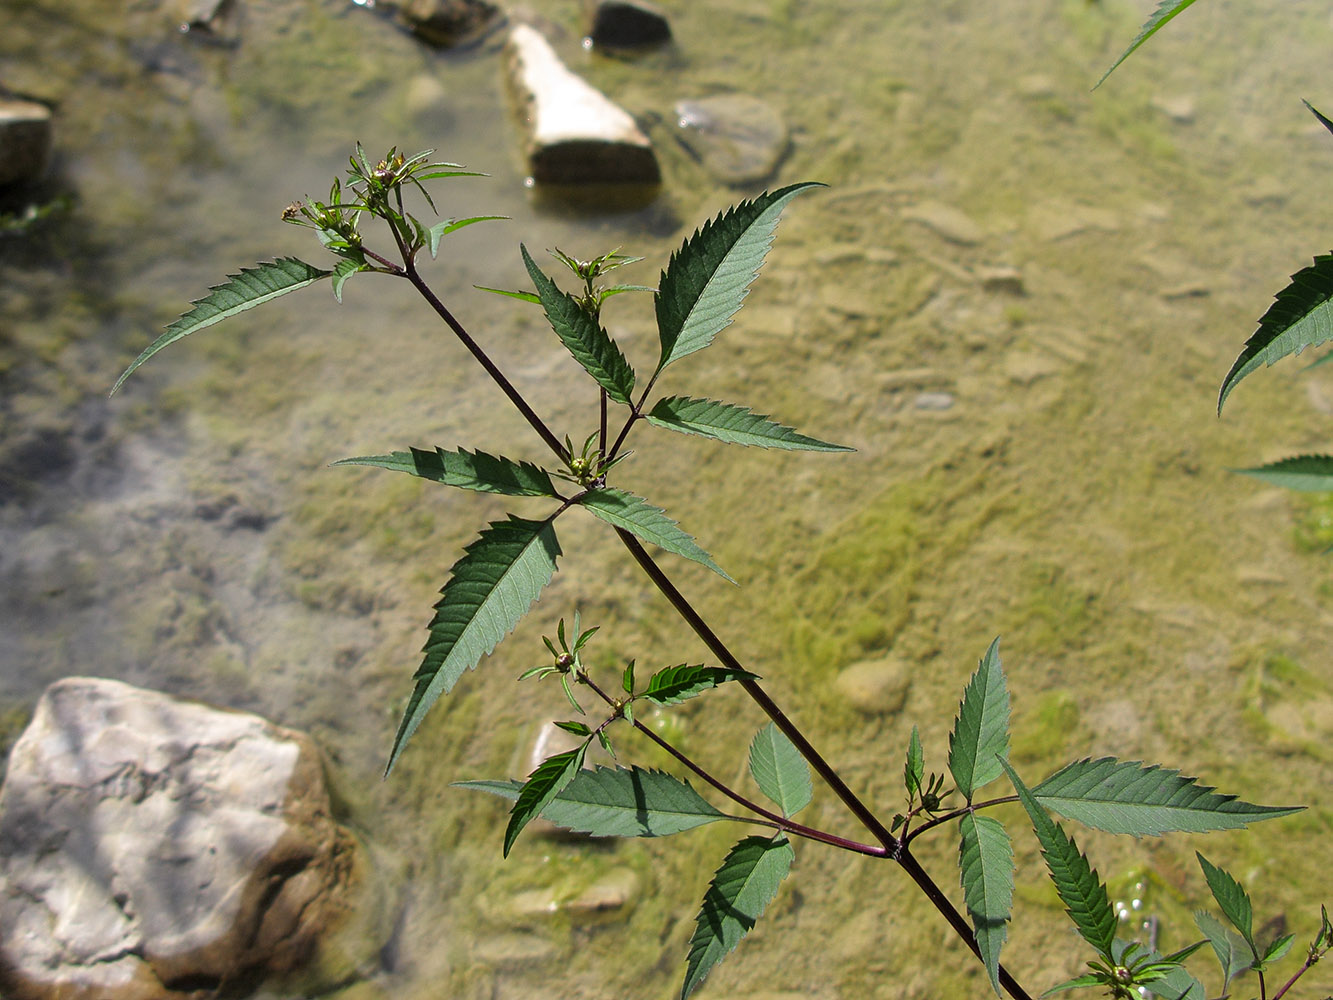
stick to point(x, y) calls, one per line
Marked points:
point(489, 590)
point(672, 685)
point(639, 517)
point(707, 279)
point(1233, 900)
point(740, 891)
point(980, 736)
point(1165, 11)
point(915, 767)
point(986, 868)
point(1301, 316)
point(591, 346)
point(343, 270)
point(1309, 473)
point(1078, 982)
point(733, 424)
point(627, 678)
point(1129, 797)
point(525, 296)
point(466, 470)
point(442, 229)
point(618, 802)
point(1314, 111)
point(543, 785)
point(1230, 950)
point(577, 728)
point(1279, 948)
point(254, 286)
point(1075, 880)
point(779, 770)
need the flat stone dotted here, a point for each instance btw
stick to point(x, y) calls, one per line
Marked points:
point(1005, 280)
point(450, 23)
point(25, 140)
point(575, 134)
point(875, 687)
point(212, 20)
point(934, 401)
point(739, 139)
point(626, 24)
point(945, 221)
point(1024, 367)
point(147, 841)
point(612, 895)
point(1179, 109)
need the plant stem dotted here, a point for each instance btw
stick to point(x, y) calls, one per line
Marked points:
point(552, 442)
point(946, 817)
point(1292, 981)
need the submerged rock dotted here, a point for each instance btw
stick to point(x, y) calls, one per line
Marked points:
point(575, 134)
point(214, 20)
point(626, 24)
point(25, 140)
point(739, 139)
point(875, 686)
point(450, 23)
point(151, 847)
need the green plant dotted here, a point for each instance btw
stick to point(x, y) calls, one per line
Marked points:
point(504, 570)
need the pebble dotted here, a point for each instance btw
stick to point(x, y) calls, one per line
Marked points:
point(626, 24)
point(739, 139)
point(934, 401)
point(875, 686)
point(945, 221)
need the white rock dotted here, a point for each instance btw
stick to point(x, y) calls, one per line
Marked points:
point(575, 134)
point(147, 841)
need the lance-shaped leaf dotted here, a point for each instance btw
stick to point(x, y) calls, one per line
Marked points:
point(733, 424)
point(986, 865)
point(1165, 11)
point(618, 802)
point(489, 590)
point(1300, 317)
point(672, 685)
point(1145, 800)
point(1077, 883)
point(1232, 953)
point(707, 279)
point(914, 769)
point(442, 229)
point(543, 785)
point(639, 517)
point(343, 270)
point(1232, 898)
point(252, 287)
point(741, 889)
point(591, 346)
point(1310, 473)
point(980, 737)
point(466, 470)
point(779, 770)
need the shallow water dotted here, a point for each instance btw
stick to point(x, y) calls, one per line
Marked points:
point(1073, 498)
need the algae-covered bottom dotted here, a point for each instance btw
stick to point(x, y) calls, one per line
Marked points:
point(1016, 300)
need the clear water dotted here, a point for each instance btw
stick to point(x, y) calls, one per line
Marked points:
point(1073, 498)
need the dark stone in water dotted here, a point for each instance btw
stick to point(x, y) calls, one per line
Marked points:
point(451, 23)
point(626, 24)
point(739, 139)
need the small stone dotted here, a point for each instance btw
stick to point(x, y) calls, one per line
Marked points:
point(212, 20)
point(576, 135)
point(25, 140)
point(1036, 85)
point(451, 23)
point(739, 139)
point(425, 94)
point(875, 687)
point(626, 24)
point(614, 894)
point(1179, 109)
point(1004, 280)
point(514, 951)
point(1025, 368)
point(933, 401)
point(945, 221)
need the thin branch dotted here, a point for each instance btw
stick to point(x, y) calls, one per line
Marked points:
point(957, 813)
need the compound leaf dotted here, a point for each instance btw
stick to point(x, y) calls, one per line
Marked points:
point(467, 470)
point(1145, 800)
point(591, 346)
point(740, 891)
point(1165, 11)
point(779, 770)
point(1232, 898)
point(980, 737)
point(707, 279)
point(1310, 473)
point(986, 867)
point(1301, 316)
point(489, 590)
point(672, 685)
point(1077, 883)
point(252, 287)
point(543, 784)
point(733, 424)
point(639, 517)
point(618, 802)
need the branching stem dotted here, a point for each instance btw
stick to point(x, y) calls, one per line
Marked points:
point(956, 814)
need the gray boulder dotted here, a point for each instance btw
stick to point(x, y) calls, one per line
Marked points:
point(739, 139)
point(25, 140)
point(626, 24)
point(152, 847)
point(574, 133)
